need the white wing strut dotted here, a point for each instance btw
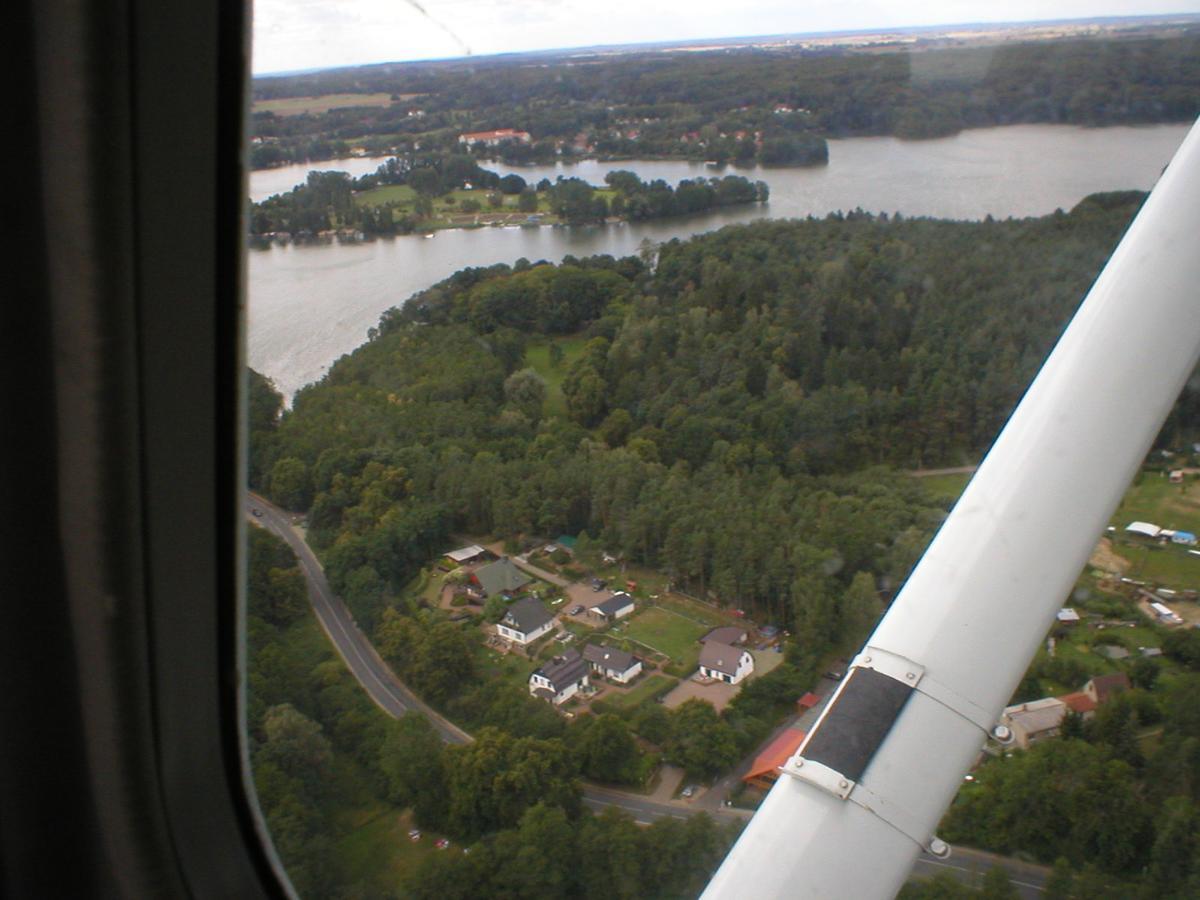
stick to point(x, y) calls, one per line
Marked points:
point(866, 791)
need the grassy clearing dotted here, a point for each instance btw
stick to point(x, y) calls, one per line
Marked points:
point(948, 486)
point(650, 687)
point(298, 106)
point(1168, 565)
point(668, 632)
point(537, 357)
point(1154, 499)
point(378, 852)
point(698, 612)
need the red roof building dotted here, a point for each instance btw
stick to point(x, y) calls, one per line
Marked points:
point(765, 770)
point(1080, 703)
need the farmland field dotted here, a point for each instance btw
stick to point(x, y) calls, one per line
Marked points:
point(298, 106)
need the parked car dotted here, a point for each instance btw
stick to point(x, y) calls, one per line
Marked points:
point(575, 610)
point(598, 584)
point(833, 676)
point(688, 791)
point(257, 512)
point(414, 835)
point(442, 843)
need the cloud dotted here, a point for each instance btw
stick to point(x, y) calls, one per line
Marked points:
point(301, 34)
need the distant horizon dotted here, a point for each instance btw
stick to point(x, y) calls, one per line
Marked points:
point(328, 30)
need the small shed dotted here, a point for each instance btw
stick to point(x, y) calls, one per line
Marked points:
point(1145, 529)
point(764, 772)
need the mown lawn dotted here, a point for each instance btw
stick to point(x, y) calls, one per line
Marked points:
point(667, 632)
point(650, 686)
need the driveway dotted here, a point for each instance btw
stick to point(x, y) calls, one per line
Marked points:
point(581, 594)
point(718, 693)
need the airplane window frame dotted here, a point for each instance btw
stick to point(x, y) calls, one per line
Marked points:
point(125, 678)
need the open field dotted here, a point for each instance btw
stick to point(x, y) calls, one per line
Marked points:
point(1168, 565)
point(1153, 499)
point(950, 485)
point(378, 852)
point(668, 632)
point(298, 106)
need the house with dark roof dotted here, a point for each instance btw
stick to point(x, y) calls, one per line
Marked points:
point(724, 663)
point(609, 662)
point(1103, 687)
point(726, 634)
point(500, 577)
point(559, 679)
point(525, 621)
point(615, 607)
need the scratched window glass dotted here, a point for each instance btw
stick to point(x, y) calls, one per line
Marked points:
point(612, 367)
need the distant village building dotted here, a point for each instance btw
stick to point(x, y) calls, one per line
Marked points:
point(722, 662)
point(616, 665)
point(525, 621)
point(560, 679)
point(494, 138)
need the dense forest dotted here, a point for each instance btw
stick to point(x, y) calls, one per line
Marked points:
point(726, 410)
point(772, 107)
point(724, 399)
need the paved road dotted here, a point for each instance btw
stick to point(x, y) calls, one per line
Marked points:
point(390, 694)
point(376, 677)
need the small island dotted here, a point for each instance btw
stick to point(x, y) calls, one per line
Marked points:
point(421, 193)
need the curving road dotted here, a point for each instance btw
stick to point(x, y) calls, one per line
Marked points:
point(391, 695)
point(360, 656)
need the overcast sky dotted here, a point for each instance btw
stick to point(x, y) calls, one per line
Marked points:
point(307, 34)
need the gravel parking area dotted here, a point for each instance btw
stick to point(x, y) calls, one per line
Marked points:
point(718, 693)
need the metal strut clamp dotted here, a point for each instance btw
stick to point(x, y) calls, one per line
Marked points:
point(913, 674)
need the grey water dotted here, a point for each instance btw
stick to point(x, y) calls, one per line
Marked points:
point(308, 305)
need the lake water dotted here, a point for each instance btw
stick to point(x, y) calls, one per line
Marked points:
point(308, 305)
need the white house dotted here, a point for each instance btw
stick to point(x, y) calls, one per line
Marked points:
point(560, 679)
point(492, 138)
point(724, 663)
point(525, 621)
point(613, 664)
point(1145, 529)
point(618, 606)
